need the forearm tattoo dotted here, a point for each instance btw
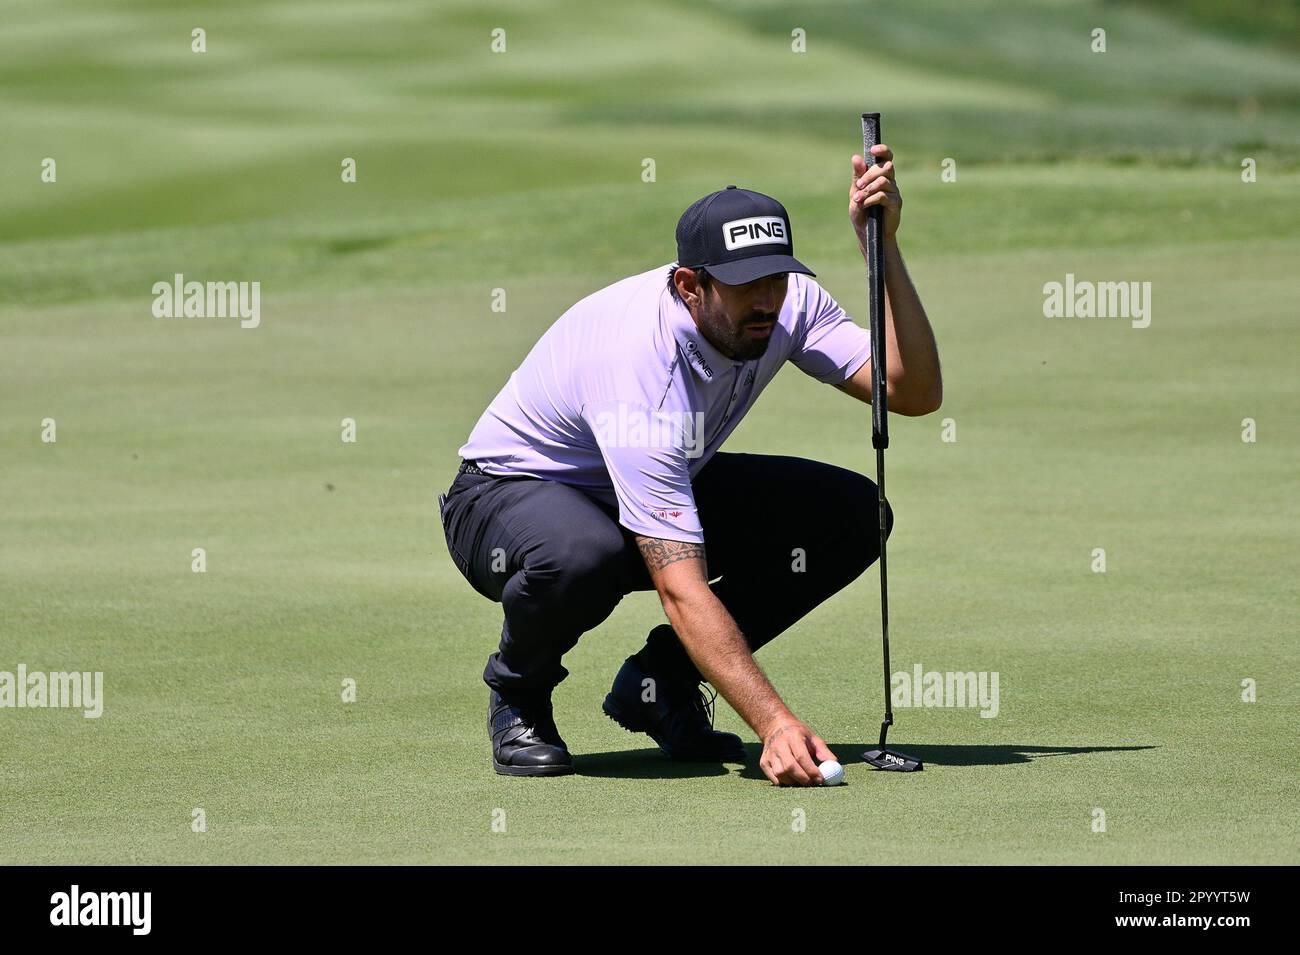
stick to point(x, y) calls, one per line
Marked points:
point(659, 553)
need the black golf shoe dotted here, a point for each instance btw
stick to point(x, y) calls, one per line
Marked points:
point(525, 741)
point(679, 717)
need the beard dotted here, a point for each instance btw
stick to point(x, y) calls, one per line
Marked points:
point(735, 340)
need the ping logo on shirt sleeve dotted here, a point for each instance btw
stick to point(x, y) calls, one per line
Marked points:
point(759, 230)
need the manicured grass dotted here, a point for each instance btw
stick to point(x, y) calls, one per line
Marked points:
point(523, 171)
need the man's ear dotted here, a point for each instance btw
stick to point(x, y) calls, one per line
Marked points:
point(687, 287)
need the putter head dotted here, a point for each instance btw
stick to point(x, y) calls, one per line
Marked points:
point(892, 761)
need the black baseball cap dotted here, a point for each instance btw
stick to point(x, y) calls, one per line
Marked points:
point(738, 235)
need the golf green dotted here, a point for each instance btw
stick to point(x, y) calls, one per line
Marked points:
point(1123, 731)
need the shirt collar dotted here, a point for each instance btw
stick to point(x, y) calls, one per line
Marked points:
point(707, 362)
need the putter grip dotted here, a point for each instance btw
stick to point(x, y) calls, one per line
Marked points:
point(876, 281)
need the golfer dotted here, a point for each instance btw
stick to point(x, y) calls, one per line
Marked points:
point(596, 472)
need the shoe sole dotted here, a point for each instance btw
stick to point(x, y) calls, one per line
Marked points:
point(614, 710)
point(506, 770)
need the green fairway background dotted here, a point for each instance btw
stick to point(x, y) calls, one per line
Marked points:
point(522, 170)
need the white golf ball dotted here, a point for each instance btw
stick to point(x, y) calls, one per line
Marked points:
point(832, 773)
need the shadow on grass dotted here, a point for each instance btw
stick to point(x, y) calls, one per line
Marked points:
point(652, 764)
point(1003, 755)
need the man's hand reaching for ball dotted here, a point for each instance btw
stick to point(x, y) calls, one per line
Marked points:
point(791, 754)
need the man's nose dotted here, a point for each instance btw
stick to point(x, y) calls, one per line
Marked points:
point(765, 296)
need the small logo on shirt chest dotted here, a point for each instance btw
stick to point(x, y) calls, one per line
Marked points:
point(749, 380)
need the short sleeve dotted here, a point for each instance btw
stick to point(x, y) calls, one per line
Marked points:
point(648, 456)
point(832, 347)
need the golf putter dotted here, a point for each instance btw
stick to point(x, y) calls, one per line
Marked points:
point(882, 758)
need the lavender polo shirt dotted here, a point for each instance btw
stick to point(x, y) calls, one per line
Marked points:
point(625, 400)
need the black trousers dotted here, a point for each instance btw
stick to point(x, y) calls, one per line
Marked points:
point(781, 535)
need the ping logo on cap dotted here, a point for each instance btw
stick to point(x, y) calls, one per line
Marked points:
point(759, 230)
